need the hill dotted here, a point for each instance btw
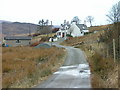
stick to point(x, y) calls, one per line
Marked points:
point(98, 28)
point(17, 28)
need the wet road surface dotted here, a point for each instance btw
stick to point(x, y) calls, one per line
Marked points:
point(74, 73)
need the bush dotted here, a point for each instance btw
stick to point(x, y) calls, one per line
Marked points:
point(68, 35)
point(86, 33)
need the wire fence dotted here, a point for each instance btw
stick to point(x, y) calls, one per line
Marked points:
point(112, 42)
point(112, 49)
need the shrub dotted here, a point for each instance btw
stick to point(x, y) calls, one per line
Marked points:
point(68, 35)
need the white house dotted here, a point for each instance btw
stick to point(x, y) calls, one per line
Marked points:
point(74, 29)
point(61, 33)
point(77, 30)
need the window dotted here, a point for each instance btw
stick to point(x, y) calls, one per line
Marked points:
point(17, 41)
point(59, 33)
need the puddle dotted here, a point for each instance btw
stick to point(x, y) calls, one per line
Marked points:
point(81, 70)
point(64, 68)
point(83, 66)
point(73, 72)
point(69, 67)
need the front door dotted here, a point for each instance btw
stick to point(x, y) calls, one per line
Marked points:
point(63, 34)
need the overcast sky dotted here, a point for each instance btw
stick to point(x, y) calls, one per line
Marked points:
point(55, 10)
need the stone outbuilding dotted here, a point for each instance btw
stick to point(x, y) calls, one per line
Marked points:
point(12, 41)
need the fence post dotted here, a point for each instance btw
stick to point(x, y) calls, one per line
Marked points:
point(114, 54)
point(107, 52)
point(119, 47)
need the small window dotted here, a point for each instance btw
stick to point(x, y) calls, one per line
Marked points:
point(59, 33)
point(17, 41)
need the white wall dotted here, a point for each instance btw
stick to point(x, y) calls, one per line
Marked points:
point(75, 30)
point(61, 31)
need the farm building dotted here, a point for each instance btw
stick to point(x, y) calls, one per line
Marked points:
point(12, 41)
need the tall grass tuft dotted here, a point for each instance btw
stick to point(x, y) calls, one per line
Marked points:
point(102, 72)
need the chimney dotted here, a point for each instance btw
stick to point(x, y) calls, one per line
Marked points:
point(85, 22)
point(51, 22)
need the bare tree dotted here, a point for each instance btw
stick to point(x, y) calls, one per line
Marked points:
point(114, 13)
point(47, 22)
point(42, 21)
point(39, 22)
point(43, 27)
point(39, 27)
point(90, 19)
point(76, 20)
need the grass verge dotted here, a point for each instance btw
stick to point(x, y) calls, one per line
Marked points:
point(24, 67)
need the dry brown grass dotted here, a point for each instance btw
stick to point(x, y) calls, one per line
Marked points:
point(104, 72)
point(25, 66)
point(98, 28)
point(90, 38)
point(42, 38)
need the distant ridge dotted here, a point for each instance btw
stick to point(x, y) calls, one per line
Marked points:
point(17, 28)
point(1, 21)
point(21, 28)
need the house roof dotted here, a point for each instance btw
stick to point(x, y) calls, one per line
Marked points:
point(82, 26)
point(17, 38)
